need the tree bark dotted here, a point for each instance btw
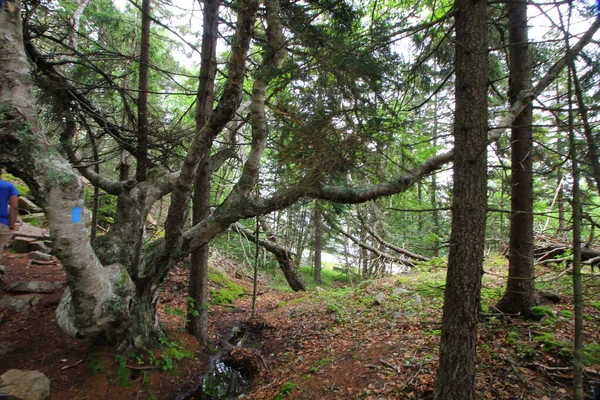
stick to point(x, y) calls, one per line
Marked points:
point(282, 255)
point(520, 294)
point(98, 295)
point(577, 281)
point(456, 372)
point(142, 101)
point(197, 314)
point(318, 220)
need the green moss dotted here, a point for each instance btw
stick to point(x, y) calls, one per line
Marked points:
point(285, 390)
point(512, 338)
point(595, 304)
point(567, 314)
point(320, 363)
point(96, 363)
point(56, 177)
point(19, 184)
point(542, 311)
point(550, 344)
point(228, 292)
point(216, 277)
point(591, 354)
point(123, 376)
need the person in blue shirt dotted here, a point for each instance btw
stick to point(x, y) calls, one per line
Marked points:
point(9, 196)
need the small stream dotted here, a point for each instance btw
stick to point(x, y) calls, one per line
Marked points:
point(224, 382)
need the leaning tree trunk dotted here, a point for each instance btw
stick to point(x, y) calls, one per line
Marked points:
point(98, 295)
point(520, 295)
point(456, 372)
point(282, 255)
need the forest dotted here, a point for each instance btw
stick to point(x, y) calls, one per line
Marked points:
point(373, 139)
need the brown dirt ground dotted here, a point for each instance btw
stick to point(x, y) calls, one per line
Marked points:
point(307, 350)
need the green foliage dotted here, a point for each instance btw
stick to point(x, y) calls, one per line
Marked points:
point(285, 390)
point(96, 363)
point(595, 304)
point(542, 311)
point(228, 292)
point(490, 296)
point(512, 337)
point(339, 310)
point(107, 206)
point(170, 352)
point(320, 363)
point(549, 343)
point(329, 276)
point(591, 354)
point(567, 314)
point(173, 351)
point(175, 311)
point(123, 377)
point(19, 184)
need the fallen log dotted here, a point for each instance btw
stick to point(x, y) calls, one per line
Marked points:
point(548, 249)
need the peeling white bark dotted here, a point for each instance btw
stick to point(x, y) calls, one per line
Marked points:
point(97, 295)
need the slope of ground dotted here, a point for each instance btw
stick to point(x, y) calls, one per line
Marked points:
point(346, 343)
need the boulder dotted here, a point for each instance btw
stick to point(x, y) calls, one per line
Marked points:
point(379, 299)
point(25, 385)
point(40, 246)
point(417, 298)
point(19, 303)
point(26, 204)
point(33, 232)
point(39, 256)
point(398, 290)
point(34, 287)
point(36, 219)
point(21, 244)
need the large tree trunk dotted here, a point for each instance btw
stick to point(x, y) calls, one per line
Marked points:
point(520, 294)
point(198, 282)
point(456, 373)
point(118, 300)
point(142, 101)
point(98, 295)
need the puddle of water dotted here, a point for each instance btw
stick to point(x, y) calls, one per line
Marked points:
point(223, 382)
point(220, 383)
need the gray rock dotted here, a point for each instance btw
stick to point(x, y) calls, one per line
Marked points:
point(400, 290)
point(403, 314)
point(19, 303)
point(33, 232)
point(20, 244)
point(34, 287)
point(379, 299)
point(26, 204)
point(36, 219)
point(39, 256)
point(25, 385)
point(40, 246)
point(417, 298)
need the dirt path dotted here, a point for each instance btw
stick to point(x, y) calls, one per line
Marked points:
point(315, 345)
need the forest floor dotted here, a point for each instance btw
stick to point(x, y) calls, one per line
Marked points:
point(331, 343)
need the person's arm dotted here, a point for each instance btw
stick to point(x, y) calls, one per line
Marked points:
point(13, 201)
